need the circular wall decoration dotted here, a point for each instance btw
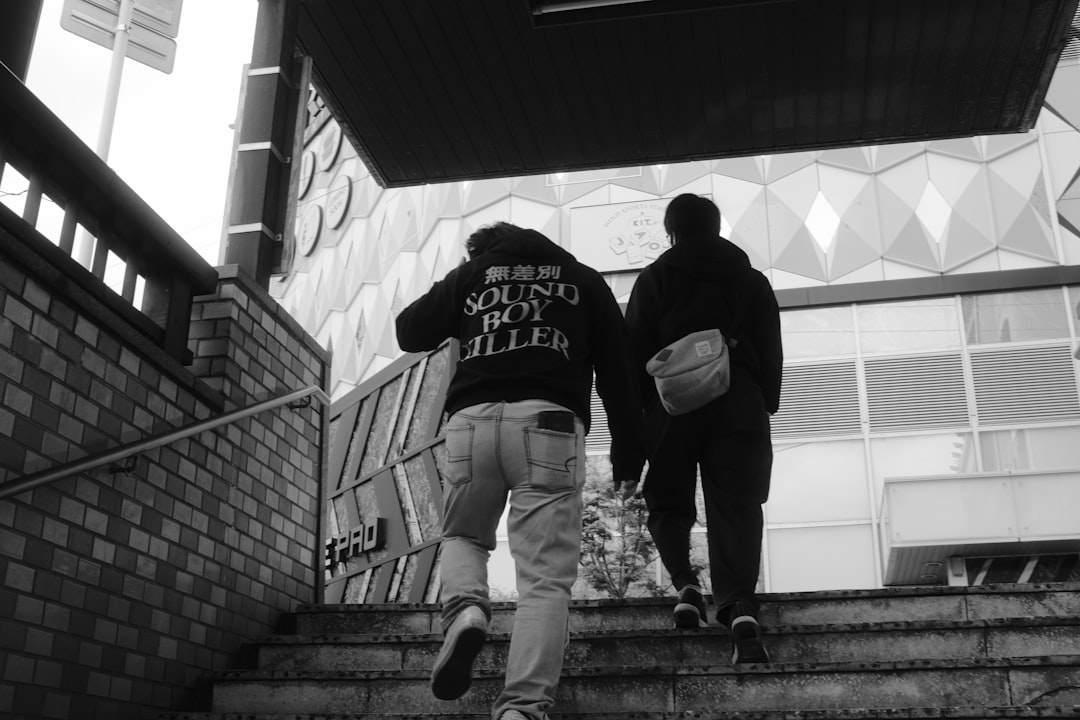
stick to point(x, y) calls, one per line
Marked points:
point(307, 172)
point(307, 233)
point(329, 145)
point(337, 201)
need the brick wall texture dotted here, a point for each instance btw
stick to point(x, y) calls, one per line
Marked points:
point(125, 587)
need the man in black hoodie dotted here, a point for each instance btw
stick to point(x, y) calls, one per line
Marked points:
point(533, 325)
point(704, 281)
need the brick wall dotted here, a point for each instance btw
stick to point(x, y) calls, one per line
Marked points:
point(124, 587)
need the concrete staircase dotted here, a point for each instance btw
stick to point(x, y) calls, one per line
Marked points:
point(989, 652)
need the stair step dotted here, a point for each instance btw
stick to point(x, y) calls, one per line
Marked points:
point(917, 640)
point(814, 608)
point(995, 682)
point(956, 713)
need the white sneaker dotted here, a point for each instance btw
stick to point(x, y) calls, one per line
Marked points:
point(452, 674)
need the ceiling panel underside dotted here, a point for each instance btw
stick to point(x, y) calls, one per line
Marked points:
point(442, 90)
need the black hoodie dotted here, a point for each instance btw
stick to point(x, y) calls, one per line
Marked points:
point(534, 324)
point(696, 285)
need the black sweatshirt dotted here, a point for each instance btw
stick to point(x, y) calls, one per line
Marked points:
point(699, 284)
point(534, 324)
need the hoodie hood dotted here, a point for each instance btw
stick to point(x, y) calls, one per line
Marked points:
point(707, 257)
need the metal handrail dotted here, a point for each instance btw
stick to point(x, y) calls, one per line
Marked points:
point(33, 480)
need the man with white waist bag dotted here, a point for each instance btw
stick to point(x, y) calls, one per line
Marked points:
point(706, 330)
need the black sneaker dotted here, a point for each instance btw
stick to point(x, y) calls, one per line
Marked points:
point(745, 636)
point(690, 610)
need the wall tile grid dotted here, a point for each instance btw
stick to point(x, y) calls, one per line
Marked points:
point(124, 587)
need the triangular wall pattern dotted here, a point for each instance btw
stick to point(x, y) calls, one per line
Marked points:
point(899, 211)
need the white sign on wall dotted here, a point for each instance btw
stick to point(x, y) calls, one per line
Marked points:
point(619, 237)
point(337, 201)
point(307, 232)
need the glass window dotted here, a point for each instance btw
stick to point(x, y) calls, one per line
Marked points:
point(818, 332)
point(941, 454)
point(910, 325)
point(818, 482)
point(1031, 449)
point(1026, 316)
point(837, 557)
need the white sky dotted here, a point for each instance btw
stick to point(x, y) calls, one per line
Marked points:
point(171, 141)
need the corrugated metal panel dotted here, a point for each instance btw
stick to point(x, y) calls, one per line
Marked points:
point(1025, 384)
point(923, 391)
point(917, 565)
point(914, 392)
point(818, 399)
point(1072, 40)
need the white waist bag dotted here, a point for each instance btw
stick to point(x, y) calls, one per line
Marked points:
point(691, 371)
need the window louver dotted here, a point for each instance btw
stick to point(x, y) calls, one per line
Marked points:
point(598, 440)
point(1071, 51)
point(1032, 384)
point(924, 391)
point(818, 399)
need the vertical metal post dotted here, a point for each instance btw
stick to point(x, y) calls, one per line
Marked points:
point(112, 96)
point(262, 166)
point(116, 72)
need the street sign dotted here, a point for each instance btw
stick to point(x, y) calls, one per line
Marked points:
point(90, 20)
point(161, 16)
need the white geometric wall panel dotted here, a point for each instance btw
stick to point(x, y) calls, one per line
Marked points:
point(805, 219)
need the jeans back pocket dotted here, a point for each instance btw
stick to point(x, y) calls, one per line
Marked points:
point(552, 459)
point(459, 448)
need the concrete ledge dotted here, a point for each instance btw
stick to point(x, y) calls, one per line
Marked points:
point(965, 713)
point(921, 640)
point(899, 604)
point(749, 688)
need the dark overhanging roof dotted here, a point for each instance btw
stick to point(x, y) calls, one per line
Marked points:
point(18, 27)
point(443, 90)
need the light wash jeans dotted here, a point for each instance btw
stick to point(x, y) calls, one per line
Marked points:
point(495, 450)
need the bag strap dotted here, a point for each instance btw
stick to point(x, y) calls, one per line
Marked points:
point(729, 336)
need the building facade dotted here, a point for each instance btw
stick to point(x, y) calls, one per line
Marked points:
point(929, 429)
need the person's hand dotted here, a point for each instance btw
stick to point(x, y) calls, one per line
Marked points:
point(626, 490)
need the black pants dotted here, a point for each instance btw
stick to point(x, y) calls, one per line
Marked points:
point(736, 465)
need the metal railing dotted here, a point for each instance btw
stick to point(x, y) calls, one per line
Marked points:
point(44, 477)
